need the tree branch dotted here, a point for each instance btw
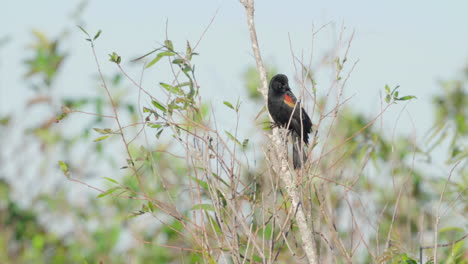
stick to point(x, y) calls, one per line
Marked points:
point(249, 10)
point(308, 243)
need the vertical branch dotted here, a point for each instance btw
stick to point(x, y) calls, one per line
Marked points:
point(308, 243)
point(249, 9)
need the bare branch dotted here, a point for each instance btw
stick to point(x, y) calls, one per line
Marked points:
point(308, 243)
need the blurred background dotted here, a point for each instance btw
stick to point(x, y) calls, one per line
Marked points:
point(46, 63)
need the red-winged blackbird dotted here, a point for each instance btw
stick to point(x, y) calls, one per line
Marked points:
point(281, 103)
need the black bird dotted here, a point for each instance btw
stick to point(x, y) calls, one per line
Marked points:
point(281, 104)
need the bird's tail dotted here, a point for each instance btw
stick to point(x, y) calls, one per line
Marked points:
point(298, 160)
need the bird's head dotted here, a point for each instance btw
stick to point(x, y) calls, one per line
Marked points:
point(279, 83)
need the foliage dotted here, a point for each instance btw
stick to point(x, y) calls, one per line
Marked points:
point(161, 182)
point(252, 81)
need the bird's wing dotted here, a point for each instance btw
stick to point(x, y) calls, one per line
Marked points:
point(300, 120)
point(289, 99)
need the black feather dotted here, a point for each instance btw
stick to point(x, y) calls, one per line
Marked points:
point(283, 114)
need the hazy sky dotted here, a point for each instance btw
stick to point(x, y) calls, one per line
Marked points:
point(410, 43)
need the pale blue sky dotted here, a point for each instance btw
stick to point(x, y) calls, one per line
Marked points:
point(410, 43)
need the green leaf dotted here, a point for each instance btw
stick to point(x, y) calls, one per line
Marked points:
point(178, 61)
point(406, 98)
point(159, 106)
point(339, 66)
point(206, 207)
point(153, 61)
point(220, 179)
point(152, 125)
point(188, 51)
point(111, 180)
point(387, 89)
point(187, 68)
point(159, 133)
point(64, 168)
point(213, 222)
point(394, 89)
point(387, 98)
point(168, 44)
point(135, 214)
point(101, 138)
point(82, 29)
point(158, 57)
point(97, 35)
point(183, 84)
point(172, 89)
point(4, 121)
point(147, 54)
point(151, 206)
point(238, 104)
point(222, 198)
point(201, 183)
point(245, 143)
point(38, 242)
point(114, 57)
point(233, 138)
point(111, 190)
point(266, 231)
point(257, 259)
point(103, 131)
point(228, 104)
point(61, 116)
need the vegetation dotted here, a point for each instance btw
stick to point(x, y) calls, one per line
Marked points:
point(156, 180)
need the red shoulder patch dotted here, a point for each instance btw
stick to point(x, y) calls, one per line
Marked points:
point(289, 101)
